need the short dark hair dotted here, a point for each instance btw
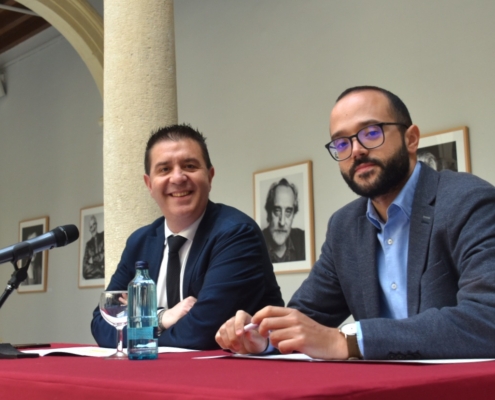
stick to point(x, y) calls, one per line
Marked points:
point(176, 133)
point(397, 106)
point(270, 199)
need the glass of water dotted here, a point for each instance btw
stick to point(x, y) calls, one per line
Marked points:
point(113, 308)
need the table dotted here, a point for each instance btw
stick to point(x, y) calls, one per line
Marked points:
point(179, 376)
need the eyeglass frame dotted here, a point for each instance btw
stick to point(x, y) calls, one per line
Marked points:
point(380, 124)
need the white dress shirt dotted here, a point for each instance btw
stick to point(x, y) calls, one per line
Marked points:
point(161, 286)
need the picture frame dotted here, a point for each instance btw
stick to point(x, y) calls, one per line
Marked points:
point(38, 269)
point(446, 150)
point(91, 272)
point(288, 230)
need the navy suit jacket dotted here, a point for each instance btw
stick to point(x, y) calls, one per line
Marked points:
point(450, 273)
point(228, 269)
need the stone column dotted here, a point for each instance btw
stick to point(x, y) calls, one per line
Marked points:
point(140, 95)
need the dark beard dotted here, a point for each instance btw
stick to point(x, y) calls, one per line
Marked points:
point(391, 176)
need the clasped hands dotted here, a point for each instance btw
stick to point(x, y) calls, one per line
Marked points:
point(172, 315)
point(287, 329)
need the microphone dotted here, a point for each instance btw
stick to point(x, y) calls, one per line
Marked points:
point(58, 237)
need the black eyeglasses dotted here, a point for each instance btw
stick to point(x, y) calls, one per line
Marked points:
point(370, 137)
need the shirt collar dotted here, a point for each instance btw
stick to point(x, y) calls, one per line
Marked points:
point(188, 233)
point(403, 201)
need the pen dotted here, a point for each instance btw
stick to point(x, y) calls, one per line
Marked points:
point(250, 327)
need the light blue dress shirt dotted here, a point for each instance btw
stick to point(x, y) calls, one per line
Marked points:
point(391, 257)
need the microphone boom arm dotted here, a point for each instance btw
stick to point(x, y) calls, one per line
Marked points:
point(58, 237)
point(22, 250)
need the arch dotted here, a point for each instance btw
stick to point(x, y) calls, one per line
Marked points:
point(81, 25)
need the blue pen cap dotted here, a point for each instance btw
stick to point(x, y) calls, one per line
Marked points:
point(141, 264)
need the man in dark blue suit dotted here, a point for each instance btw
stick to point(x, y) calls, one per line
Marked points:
point(412, 259)
point(224, 261)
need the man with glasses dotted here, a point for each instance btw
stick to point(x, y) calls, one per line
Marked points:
point(413, 259)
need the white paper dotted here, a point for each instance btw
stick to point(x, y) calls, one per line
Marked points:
point(92, 351)
point(77, 351)
point(304, 357)
point(173, 350)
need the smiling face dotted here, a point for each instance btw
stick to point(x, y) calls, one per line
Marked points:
point(382, 170)
point(179, 181)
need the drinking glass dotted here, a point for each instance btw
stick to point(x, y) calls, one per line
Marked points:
point(113, 308)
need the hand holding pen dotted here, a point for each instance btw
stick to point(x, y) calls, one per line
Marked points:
point(251, 327)
point(239, 335)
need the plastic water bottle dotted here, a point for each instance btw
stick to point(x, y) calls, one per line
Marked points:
point(142, 322)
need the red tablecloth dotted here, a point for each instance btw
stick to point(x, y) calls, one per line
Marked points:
point(178, 375)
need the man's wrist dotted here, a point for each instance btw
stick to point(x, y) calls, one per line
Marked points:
point(350, 334)
point(159, 316)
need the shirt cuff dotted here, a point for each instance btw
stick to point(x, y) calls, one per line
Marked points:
point(269, 349)
point(359, 334)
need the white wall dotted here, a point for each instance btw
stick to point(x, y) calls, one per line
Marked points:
point(51, 164)
point(258, 78)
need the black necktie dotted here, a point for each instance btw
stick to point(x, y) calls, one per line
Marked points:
point(173, 269)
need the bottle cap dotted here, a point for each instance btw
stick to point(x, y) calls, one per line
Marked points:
point(141, 264)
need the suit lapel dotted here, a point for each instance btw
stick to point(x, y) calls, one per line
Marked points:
point(200, 239)
point(419, 235)
point(153, 248)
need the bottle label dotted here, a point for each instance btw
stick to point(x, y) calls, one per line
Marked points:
point(147, 333)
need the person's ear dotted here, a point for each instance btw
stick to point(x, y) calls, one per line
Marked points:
point(211, 174)
point(147, 182)
point(411, 138)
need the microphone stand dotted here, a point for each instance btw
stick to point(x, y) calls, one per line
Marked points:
point(20, 251)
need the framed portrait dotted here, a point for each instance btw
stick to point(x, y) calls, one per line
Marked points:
point(283, 208)
point(92, 248)
point(446, 150)
point(38, 268)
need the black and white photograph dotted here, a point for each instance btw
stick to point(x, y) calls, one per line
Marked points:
point(37, 270)
point(283, 208)
point(92, 248)
point(446, 150)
